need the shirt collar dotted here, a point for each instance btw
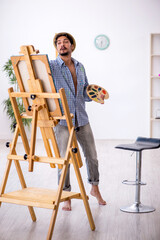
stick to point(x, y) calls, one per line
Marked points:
point(61, 62)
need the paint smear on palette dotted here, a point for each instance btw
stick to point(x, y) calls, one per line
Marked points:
point(94, 96)
point(94, 90)
point(89, 87)
point(91, 93)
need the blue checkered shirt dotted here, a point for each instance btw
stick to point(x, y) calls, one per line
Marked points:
point(63, 79)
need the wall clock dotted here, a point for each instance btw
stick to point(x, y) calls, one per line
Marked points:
point(101, 42)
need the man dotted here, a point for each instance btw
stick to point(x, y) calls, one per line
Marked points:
point(69, 74)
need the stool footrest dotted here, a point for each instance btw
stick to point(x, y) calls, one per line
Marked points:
point(133, 182)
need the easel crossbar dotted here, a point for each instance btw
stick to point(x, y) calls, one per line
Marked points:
point(38, 159)
point(39, 95)
point(23, 115)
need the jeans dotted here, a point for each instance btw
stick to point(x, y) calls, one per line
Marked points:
point(87, 143)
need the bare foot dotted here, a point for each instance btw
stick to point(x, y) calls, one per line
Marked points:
point(67, 205)
point(96, 193)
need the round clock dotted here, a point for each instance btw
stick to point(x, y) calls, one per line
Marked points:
point(101, 42)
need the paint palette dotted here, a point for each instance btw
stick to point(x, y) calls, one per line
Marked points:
point(97, 93)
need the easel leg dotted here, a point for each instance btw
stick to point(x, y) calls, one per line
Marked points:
point(19, 171)
point(57, 201)
point(23, 184)
point(52, 223)
point(33, 138)
point(5, 178)
point(83, 192)
point(9, 162)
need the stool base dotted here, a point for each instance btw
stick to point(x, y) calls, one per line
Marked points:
point(137, 208)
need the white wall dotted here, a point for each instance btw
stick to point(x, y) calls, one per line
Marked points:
point(123, 69)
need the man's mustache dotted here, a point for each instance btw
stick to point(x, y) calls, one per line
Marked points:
point(63, 48)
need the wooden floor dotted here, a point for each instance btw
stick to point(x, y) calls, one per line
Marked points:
point(111, 224)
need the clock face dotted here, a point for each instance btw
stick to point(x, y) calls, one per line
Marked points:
point(101, 42)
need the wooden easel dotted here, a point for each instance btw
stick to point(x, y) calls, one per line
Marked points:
point(36, 101)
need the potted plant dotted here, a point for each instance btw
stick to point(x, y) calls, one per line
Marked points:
point(8, 68)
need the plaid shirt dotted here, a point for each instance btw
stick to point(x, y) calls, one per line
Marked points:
point(63, 79)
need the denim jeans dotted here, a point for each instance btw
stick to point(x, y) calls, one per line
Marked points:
point(87, 143)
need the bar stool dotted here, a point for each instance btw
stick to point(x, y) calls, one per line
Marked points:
point(140, 145)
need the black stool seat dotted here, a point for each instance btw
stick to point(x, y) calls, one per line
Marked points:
point(141, 144)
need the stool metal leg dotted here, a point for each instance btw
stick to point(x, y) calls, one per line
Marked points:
point(137, 207)
point(138, 177)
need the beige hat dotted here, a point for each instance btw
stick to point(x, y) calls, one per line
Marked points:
point(68, 35)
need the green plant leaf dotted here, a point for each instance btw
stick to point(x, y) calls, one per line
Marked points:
point(7, 106)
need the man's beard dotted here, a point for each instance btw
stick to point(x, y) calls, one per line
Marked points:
point(63, 54)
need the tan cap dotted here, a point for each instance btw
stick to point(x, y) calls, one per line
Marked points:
point(68, 35)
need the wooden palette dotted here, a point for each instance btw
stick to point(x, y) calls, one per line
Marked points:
point(97, 93)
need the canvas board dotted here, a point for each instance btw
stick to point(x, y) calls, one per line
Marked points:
point(41, 73)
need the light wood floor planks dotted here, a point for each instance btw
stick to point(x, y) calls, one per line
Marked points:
point(111, 224)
